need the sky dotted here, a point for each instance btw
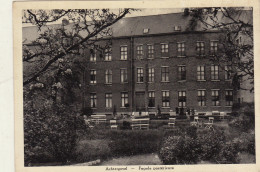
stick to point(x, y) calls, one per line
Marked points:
point(154, 11)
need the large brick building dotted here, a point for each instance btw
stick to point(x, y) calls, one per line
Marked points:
point(158, 62)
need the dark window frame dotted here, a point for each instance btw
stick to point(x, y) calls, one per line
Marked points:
point(182, 99)
point(165, 74)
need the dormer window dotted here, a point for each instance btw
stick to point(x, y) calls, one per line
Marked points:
point(146, 30)
point(177, 28)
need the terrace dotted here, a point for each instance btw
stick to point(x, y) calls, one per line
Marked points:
point(166, 122)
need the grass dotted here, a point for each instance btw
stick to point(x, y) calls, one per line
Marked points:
point(88, 150)
point(104, 144)
point(134, 147)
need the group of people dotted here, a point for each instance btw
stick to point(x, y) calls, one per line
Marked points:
point(181, 111)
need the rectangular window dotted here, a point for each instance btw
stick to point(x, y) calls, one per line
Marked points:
point(123, 75)
point(151, 75)
point(93, 55)
point(108, 100)
point(181, 48)
point(150, 51)
point(108, 54)
point(200, 48)
point(200, 73)
point(124, 100)
point(214, 72)
point(229, 97)
point(108, 75)
point(139, 52)
point(165, 98)
point(215, 97)
point(93, 100)
point(151, 102)
point(93, 73)
point(123, 52)
point(165, 74)
point(164, 48)
point(182, 72)
point(140, 75)
point(201, 97)
point(228, 72)
point(182, 98)
point(213, 47)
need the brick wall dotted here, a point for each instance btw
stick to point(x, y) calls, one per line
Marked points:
point(191, 61)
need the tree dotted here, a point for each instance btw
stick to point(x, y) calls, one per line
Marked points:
point(236, 26)
point(50, 127)
point(80, 28)
point(53, 67)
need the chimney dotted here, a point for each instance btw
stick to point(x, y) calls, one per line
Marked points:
point(186, 12)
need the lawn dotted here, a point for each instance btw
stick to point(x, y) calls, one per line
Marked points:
point(141, 147)
point(128, 147)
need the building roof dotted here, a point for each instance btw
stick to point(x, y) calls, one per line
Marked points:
point(133, 26)
point(156, 24)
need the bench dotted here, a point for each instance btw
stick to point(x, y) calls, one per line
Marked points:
point(171, 122)
point(113, 124)
point(138, 114)
point(209, 124)
point(222, 115)
point(142, 123)
point(195, 122)
point(98, 119)
point(172, 113)
point(215, 113)
point(88, 123)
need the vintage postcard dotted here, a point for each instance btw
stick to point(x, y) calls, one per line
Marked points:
point(136, 85)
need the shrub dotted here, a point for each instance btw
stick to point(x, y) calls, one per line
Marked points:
point(251, 147)
point(181, 117)
point(228, 154)
point(180, 150)
point(126, 125)
point(234, 115)
point(189, 147)
point(236, 107)
point(38, 154)
point(158, 123)
point(211, 143)
point(50, 134)
point(242, 125)
point(246, 143)
point(191, 131)
point(88, 111)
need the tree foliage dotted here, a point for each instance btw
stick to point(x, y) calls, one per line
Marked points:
point(80, 28)
point(236, 26)
point(50, 128)
point(188, 147)
point(53, 65)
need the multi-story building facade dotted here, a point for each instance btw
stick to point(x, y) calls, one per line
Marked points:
point(156, 62)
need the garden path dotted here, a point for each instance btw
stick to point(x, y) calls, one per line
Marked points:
point(147, 159)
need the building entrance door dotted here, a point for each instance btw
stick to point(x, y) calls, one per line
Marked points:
point(140, 101)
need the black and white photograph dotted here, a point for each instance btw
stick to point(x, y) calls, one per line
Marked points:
point(121, 87)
